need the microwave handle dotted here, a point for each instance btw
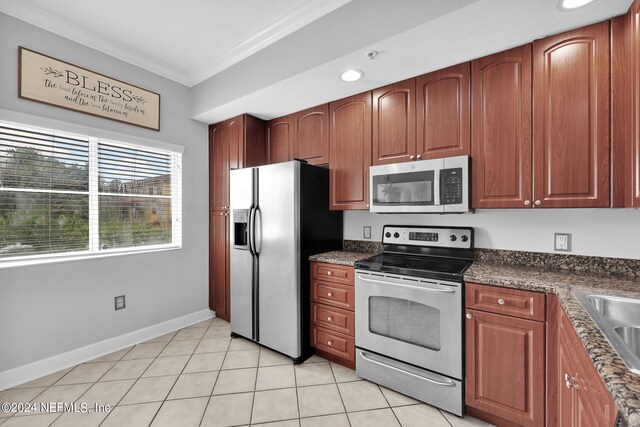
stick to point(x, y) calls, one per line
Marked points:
point(437, 187)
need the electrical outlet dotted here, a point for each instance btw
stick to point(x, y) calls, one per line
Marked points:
point(562, 242)
point(120, 303)
point(366, 232)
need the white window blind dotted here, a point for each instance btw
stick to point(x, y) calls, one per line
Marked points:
point(67, 194)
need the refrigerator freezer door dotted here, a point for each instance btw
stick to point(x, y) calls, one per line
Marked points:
point(242, 265)
point(278, 245)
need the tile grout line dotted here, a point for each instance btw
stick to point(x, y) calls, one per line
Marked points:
point(217, 376)
point(340, 394)
point(183, 368)
point(135, 379)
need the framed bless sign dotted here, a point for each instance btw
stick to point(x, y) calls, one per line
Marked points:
point(51, 81)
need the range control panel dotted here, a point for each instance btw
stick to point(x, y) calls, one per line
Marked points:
point(442, 237)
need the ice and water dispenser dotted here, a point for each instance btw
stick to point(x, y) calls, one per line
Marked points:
point(241, 229)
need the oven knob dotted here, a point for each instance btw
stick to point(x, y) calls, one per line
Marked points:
point(396, 234)
point(453, 238)
point(387, 234)
point(464, 238)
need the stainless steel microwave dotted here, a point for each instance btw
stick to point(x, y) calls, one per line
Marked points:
point(426, 186)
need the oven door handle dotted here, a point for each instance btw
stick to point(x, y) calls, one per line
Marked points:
point(421, 288)
point(447, 383)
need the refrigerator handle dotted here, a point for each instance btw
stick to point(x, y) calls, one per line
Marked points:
point(257, 231)
point(252, 214)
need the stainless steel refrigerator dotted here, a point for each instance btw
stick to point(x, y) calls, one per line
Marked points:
point(280, 216)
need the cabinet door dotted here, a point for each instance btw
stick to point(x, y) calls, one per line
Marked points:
point(235, 138)
point(218, 167)
point(571, 118)
point(394, 123)
point(311, 135)
point(279, 139)
point(219, 263)
point(350, 152)
point(505, 367)
point(443, 113)
point(625, 108)
point(591, 403)
point(501, 129)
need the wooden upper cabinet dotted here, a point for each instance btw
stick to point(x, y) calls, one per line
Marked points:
point(235, 137)
point(625, 108)
point(218, 167)
point(394, 123)
point(571, 141)
point(311, 135)
point(501, 129)
point(280, 139)
point(350, 152)
point(443, 127)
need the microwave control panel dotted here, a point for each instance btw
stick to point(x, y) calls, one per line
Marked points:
point(451, 186)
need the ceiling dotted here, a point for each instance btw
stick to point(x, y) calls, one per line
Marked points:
point(270, 58)
point(186, 41)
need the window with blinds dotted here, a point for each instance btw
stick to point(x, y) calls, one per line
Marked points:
point(65, 194)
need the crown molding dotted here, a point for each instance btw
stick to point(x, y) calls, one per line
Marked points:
point(270, 33)
point(267, 35)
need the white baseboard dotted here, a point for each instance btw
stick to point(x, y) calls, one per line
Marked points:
point(31, 371)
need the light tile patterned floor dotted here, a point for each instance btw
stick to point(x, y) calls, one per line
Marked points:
point(199, 376)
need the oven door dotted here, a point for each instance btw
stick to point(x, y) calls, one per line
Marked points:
point(413, 320)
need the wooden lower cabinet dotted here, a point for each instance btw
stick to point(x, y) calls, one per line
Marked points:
point(528, 367)
point(219, 292)
point(581, 398)
point(505, 367)
point(332, 316)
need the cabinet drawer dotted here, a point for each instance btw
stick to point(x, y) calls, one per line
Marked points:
point(510, 302)
point(333, 294)
point(332, 273)
point(335, 343)
point(333, 318)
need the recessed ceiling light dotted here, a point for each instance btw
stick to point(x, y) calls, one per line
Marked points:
point(351, 75)
point(572, 4)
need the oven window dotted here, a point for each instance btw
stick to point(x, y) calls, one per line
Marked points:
point(405, 320)
point(410, 188)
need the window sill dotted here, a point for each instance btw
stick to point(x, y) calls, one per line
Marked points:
point(52, 259)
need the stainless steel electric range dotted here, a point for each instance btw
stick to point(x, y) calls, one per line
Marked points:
point(409, 307)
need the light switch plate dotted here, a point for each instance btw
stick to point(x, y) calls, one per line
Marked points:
point(562, 242)
point(366, 232)
point(120, 302)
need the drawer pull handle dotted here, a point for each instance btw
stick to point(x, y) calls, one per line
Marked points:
point(329, 294)
point(329, 273)
point(330, 343)
point(329, 319)
point(501, 301)
point(469, 316)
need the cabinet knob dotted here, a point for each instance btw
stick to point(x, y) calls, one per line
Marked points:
point(537, 203)
point(411, 157)
point(500, 301)
point(468, 316)
point(330, 343)
point(527, 202)
point(329, 294)
point(419, 156)
point(329, 273)
point(329, 319)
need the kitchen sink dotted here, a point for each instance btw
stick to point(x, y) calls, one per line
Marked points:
point(624, 310)
point(631, 337)
point(619, 320)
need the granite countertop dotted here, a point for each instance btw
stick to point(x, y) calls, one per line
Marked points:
point(341, 257)
point(623, 384)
